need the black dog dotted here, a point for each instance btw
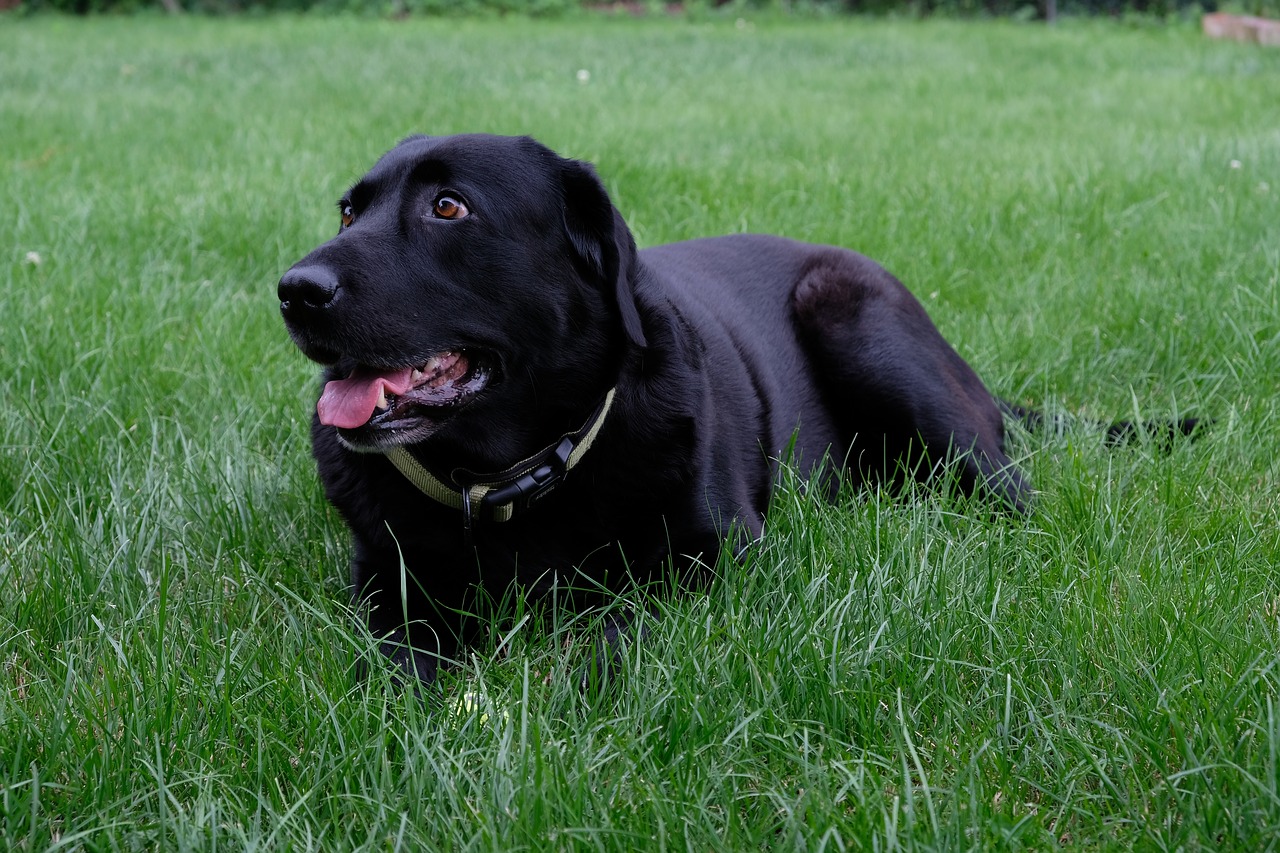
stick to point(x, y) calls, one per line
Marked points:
point(516, 395)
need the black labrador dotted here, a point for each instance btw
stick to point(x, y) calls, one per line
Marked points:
point(515, 394)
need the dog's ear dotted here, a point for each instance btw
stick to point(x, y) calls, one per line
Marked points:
point(602, 240)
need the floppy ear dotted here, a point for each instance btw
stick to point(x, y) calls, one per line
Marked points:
point(602, 240)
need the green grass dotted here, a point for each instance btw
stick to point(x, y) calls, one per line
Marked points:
point(1091, 212)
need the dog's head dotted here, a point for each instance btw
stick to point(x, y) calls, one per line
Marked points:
point(470, 274)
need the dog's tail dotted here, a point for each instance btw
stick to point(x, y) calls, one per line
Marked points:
point(1161, 433)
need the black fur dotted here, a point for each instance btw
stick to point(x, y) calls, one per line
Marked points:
point(722, 352)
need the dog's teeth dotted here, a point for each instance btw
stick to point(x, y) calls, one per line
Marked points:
point(382, 398)
point(416, 377)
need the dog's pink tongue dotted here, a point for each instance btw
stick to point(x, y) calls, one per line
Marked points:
point(349, 403)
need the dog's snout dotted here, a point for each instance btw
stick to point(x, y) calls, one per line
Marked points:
point(307, 287)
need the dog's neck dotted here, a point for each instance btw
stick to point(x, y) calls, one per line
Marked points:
point(501, 496)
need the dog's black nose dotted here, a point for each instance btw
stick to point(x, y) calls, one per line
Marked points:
point(307, 287)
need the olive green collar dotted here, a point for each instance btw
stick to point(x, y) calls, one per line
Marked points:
point(500, 496)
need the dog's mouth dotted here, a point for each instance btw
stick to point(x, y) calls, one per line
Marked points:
point(379, 399)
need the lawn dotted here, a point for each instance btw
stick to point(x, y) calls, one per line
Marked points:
point(1091, 212)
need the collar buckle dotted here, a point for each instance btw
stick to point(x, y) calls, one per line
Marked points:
point(502, 495)
point(532, 486)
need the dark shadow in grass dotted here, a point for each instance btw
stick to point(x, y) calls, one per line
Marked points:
point(1162, 434)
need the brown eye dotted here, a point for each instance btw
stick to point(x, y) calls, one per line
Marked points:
point(348, 215)
point(449, 207)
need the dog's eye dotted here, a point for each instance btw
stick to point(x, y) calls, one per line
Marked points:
point(348, 215)
point(449, 207)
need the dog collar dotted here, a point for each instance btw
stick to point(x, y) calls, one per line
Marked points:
point(507, 492)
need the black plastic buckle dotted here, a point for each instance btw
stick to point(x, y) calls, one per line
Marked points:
point(529, 488)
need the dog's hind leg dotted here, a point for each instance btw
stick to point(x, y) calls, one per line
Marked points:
point(905, 401)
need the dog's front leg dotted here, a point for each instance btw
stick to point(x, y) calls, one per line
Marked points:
point(409, 631)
